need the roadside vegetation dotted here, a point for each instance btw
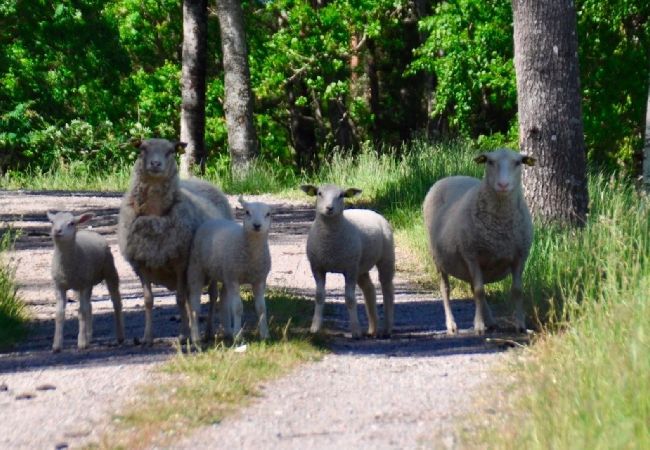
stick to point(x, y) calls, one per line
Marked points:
point(13, 316)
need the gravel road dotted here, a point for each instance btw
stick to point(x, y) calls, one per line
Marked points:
point(403, 392)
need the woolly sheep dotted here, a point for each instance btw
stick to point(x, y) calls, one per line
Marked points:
point(81, 259)
point(159, 215)
point(480, 231)
point(232, 254)
point(350, 242)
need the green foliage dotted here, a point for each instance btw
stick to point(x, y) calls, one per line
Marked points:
point(13, 316)
point(470, 50)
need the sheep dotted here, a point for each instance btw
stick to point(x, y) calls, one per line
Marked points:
point(159, 215)
point(350, 242)
point(81, 259)
point(480, 231)
point(232, 254)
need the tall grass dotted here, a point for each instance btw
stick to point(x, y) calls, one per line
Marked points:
point(585, 385)
point(12, 310)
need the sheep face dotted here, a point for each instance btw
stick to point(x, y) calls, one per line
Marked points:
point(503, 169)
point(257, 217)
point(330, 199)
point(158, 156)
point(64, 225)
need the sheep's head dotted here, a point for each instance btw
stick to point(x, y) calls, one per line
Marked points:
point(503, 169)
point(64, 225)
point(158, 156)
point(257, 216)
point(330, 198)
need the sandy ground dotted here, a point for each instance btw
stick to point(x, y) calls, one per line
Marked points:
point(403, 392)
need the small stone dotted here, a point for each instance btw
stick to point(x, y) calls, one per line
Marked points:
point(46, 387)
point(4, 387)
point(61, 446)
point(25, 396)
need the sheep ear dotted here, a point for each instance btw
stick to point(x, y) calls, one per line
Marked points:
point(83, 218)
point(528, 160)
point(137, 142)
point(481, 159)
point(180, 147)
point(50, 216)
point(309, 189)
point(351, 192)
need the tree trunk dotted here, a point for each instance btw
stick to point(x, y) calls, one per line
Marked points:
point(550, 115)
point(302, 127)
point(195, 28)
point(646, 147)
point(238, 95)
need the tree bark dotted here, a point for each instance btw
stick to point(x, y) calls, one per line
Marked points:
point(195, 28)
point(550, 114)
point(646, 147)
point(238, 95)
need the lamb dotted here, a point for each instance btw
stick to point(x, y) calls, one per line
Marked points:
point(480, 231)
point(232, 254)
point(158, 217)
point(350, 242)
point(81, 259)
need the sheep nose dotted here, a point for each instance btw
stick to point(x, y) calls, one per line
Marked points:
point(155, 164)
point(329, 209)
point(503, 186)
point(257, 226)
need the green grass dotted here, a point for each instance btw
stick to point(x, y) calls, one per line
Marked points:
point(13, 316)
point(203, 388)
point(585, 384)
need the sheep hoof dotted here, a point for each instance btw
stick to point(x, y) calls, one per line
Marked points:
point(56, 350)
point(452, 329)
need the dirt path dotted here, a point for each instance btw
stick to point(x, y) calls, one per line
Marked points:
point(397, 393)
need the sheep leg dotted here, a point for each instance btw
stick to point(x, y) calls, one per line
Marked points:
point(112, 282)
point(183, 304)
point(388, 293)
point(225, 311)
point(478, 288)
point(59, 319)
point(517, 295)
point(317, 321)
point(260, 308)
point(236, 307)
point(351, 304)
point(85, 328)
point(450, 322)
point(368, 289)
point(213, 294)
point(195, 309)
point(148, 311)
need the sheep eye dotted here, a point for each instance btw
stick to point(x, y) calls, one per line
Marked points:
point(320, 194)
point(169, 153)
point(248, 213)
point(517, 163)
point(268, 215)
point(490, 162)
point(341, 195)
point(71, 224)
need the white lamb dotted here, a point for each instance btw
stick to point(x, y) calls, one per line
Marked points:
point(233, 254)
point(81, 260)
point(480, 231)
point(350, 242)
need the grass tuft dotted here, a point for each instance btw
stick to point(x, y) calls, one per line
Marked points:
point(13, 314)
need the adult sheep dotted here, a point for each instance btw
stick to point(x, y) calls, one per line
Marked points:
point(159, 215)
point(480, 231)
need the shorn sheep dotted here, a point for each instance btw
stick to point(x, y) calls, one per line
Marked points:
point(232, 254)
point(81, 259)
point(159, 215)
point(350, 242)
point(480, 231)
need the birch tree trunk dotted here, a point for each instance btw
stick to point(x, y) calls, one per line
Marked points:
point(238, 95)
point(195, 28)
point(550, 113)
